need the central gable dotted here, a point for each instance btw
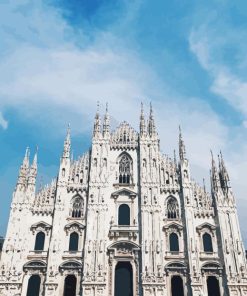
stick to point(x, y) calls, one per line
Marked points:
point(124, 137)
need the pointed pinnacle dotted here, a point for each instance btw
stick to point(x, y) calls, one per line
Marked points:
point(204, 185)
point(142, 112)
point(26, 157)
point(151, 109)
point(106, 107)
point(35, 158)
point(175, 156)
point(97, 106)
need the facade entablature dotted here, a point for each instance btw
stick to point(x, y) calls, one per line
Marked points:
point(123, 231)
point(173, 227)
point(204, 213)
point(180, 255)
point(34, 266)
point(154, 208)
point(124, 192)
point(212, 268)
point(206, 256)
point(41, 255)
point(43, 211)
point(68, 255)
point(41, 226)
point(76, 188)
point(176, 267)
point(71, 266)
point(170, 188)
point(206, 227)
point(123, 249)
point(74, 226)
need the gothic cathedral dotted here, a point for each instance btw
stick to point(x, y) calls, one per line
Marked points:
point(123, 220)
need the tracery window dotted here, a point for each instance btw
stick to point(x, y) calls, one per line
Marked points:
point(172, 208)
point(125, 169)
point(77, 207)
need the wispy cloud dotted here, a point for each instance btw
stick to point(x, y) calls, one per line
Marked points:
point(3, 121)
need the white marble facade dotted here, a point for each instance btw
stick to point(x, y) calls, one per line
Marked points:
point(123, 210)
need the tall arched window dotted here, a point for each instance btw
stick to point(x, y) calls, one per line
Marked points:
point(213, 286)
point(125, 169)
point(177, 286)
point(207, 243)
point(70, 285)
point(172, 208)
point(73, 241)
point(174, 244)
point(39, 241)
point(77, 207)
point(123, 215)
point(33, 285)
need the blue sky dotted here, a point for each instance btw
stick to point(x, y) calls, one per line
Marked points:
point(58, 58)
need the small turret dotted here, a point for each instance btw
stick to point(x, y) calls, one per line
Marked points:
point(182, 151)
point(142, 123)
point(97, 124)
point(106, 123)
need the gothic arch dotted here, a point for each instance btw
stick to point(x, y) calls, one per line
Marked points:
point(125, 168)
point(172, 208)
point(77, 206)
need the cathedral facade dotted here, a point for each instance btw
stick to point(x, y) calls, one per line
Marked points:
point(123, 220)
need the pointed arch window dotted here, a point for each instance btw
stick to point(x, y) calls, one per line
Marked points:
point(172, 208)
point(125, 168)
point(77, 207)
point(73, 242)
point(207, 243)
point(174, 244)
point(39, 241)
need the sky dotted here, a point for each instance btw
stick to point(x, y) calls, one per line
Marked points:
point(58, 58)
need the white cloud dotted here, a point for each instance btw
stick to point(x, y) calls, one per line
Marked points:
point(229, 86)
point(45, 70)
point(3, 121)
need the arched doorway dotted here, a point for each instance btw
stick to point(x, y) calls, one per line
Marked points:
point(213, 286)
point(123, 279)
point(70, 286)
point(33, 285)
point(177, 286)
